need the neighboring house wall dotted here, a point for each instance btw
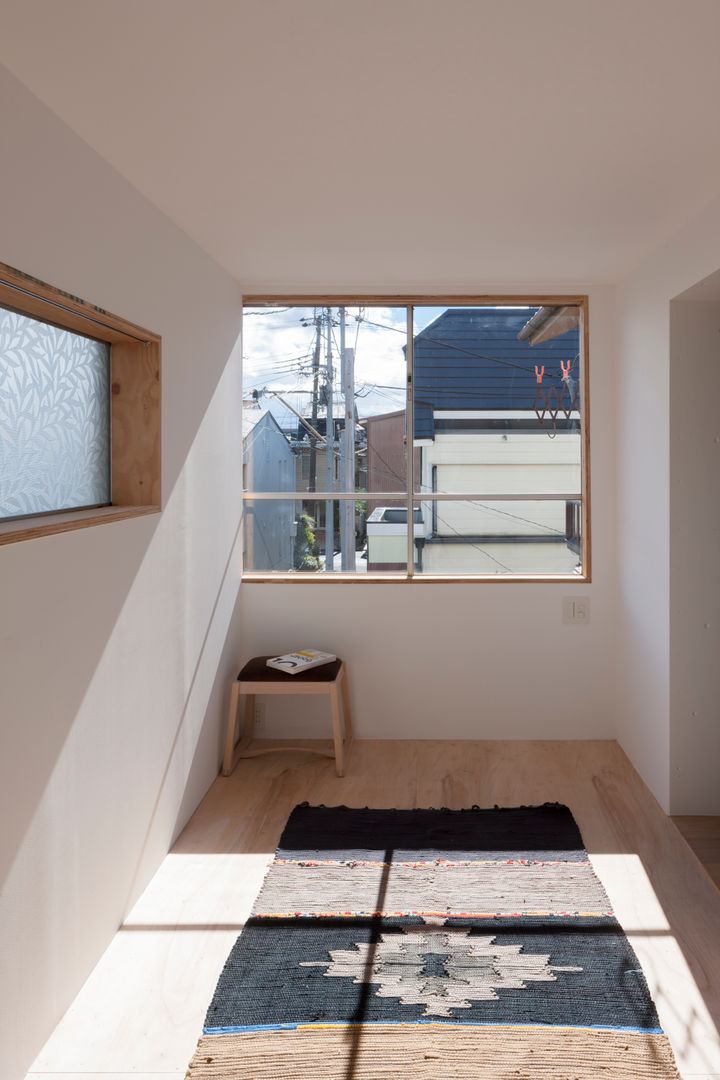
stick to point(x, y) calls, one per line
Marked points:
point(512, 461)
point(119, 641)
point(485, 557)
point(387, 457)
point(302, 470)
point(502, 462)
point(302, 442)
point(477, 387)
point(269, 465)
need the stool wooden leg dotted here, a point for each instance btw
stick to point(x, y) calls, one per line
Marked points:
point(249, 726)
point(233, 752)
point(337, 729)
point(346, 704)
point(245, 741)
point(230, 733)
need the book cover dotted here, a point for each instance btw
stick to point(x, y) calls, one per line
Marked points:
point(302, 660)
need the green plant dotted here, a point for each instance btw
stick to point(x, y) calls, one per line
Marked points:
point(306, 554)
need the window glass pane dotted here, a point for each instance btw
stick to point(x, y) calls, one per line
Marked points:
point(496, 402)
point(289, 536)
point(316, 378)
point(273, 538)
point(497, 407)
point(508, 537)
point(387, 548)
point(54, 418)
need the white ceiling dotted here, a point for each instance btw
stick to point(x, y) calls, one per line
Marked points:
point(381, 143)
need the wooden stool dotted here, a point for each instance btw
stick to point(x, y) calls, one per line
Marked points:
point(257, 678)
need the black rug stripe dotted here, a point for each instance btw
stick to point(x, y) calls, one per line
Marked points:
point(542, 833)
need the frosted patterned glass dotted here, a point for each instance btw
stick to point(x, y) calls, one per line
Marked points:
point(54, 418)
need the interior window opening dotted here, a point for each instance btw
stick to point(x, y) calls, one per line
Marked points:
point(472, 415)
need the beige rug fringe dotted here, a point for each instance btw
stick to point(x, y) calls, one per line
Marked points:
point(427, 1052)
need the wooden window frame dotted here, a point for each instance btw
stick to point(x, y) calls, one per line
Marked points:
point(135, 406)
point(485, 300)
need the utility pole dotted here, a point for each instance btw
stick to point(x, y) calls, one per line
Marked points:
point(329, 448)
point(347, 517)
point(312, 478)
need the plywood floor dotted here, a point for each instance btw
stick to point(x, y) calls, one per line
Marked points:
point(141, 1011)
point(703, 836)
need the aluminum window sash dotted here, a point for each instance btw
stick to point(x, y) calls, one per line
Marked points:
point(419, 496)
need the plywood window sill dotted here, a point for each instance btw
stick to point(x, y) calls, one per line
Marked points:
point(30, 528)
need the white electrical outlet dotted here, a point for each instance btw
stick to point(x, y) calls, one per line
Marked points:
point(576, 609)
point(259, 718)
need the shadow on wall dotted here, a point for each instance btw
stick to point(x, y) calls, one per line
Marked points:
point(51, 651)
point(114, 645)
point(111, 661)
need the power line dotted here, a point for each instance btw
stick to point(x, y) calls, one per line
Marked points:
point(450, 345)
point(424, 492)
point(446, 524)
point(292, 354)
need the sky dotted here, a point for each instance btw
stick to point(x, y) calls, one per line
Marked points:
point(278, 347)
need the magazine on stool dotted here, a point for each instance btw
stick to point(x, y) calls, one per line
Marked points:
point(295, 662)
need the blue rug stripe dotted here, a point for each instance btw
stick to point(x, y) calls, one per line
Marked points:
point(424, 1023)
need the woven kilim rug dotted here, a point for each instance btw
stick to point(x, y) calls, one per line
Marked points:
point(426, 944)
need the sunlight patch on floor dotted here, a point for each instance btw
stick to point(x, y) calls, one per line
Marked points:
point(684, 1016)
point(142, 1009)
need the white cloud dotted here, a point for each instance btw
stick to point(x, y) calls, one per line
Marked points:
point(278, 347)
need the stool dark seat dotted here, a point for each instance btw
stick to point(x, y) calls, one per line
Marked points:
point(257, 669)
point(256, 677)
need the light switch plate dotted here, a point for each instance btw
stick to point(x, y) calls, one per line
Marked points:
point(576, 609)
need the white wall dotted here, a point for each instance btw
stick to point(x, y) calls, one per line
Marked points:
point(694, 550)
point(485, 661)
point(642, 403)
point(650, 658)
point(116, 642)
